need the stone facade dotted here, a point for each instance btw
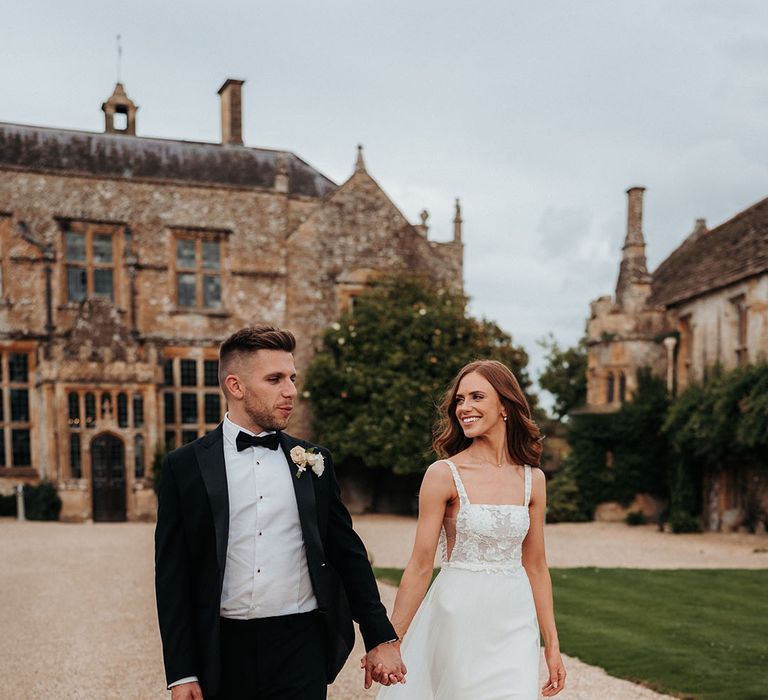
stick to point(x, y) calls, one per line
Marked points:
point(705, 305)
point(124, 261)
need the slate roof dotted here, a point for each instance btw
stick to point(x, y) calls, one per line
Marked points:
point(135, 157)
point(706, 261)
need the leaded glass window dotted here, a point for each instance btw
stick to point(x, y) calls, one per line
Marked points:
point(192, 398)
point(122, 410)
point(89, 259)
point(211, 372)
point(197, 261)
point(138, 456)
point(15, 413)
point(75, 456)
point(138, 411)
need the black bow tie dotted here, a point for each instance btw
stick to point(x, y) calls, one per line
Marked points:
point(244, 441)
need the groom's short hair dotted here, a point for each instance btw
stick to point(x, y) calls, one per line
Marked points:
point(249, 340)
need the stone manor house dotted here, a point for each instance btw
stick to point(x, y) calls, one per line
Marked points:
point(125, 260)
point(705, 305)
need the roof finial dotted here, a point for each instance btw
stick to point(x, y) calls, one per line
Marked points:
point(119, 58)
point(457, 222)
point(360, 163)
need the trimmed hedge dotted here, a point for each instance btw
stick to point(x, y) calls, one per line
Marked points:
point(41, 502)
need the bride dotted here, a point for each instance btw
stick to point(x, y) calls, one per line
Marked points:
point(475, 636)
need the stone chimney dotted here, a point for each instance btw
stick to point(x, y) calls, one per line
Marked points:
point(635, 217)
point(231, 112)
point(699, 229)
point(634, 284)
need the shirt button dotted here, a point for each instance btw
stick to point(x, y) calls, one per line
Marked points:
point(257, 462)
point(258, 571)
point(259, 533)
point(261, 497)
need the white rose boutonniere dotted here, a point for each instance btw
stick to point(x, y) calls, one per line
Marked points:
point(302, 458)
point(317, 462)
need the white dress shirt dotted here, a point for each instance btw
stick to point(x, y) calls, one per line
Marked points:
point(266, 572)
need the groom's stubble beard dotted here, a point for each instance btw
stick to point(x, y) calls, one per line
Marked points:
point(261, 415)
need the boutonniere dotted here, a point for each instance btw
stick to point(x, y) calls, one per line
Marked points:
point(304, 458)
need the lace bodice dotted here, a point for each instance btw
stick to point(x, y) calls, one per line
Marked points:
point(485, 537)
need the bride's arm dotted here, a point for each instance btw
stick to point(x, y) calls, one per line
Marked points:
point(437, 489)
point(535, 563)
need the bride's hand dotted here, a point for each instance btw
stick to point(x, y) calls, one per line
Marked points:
point(556, 668)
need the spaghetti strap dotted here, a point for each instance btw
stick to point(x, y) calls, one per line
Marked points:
point(527, 485)
point(463, 498)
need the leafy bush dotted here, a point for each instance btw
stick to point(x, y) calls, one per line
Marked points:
point(681, 522)
point(636, 517)
point(8, 505)
point(564, 504)
point(41, 502)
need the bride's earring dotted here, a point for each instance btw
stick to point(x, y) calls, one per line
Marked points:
point(505, 418)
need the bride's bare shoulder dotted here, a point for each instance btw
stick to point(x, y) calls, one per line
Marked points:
point(438, 476)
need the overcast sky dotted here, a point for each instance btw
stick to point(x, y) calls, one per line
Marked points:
point(539, 115)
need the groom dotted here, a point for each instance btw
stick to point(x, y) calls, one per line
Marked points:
point(258, 572)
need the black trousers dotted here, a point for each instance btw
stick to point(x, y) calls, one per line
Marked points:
point(273, 658)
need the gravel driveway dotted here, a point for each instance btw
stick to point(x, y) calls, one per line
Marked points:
point(77, 606)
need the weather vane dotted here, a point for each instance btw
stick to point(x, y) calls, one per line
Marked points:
point(119, 59)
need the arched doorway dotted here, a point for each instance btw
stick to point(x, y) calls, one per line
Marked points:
point(108, 478)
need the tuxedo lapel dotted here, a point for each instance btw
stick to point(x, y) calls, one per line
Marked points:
point(210, 456)
point(305, 497)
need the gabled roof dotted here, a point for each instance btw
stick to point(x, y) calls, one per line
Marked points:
point(710, 260)
point(134, 157)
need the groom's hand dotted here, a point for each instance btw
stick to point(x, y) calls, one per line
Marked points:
point(384, 665)
point(187, 691)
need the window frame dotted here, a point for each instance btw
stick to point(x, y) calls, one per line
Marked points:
point(199, 237)
point(177, 428)
point(7, 425)
point(90, 230)
point(741, 310)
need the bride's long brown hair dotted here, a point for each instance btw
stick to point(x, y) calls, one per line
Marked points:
point(523, 435)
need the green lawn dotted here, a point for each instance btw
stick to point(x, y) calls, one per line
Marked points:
point(693, 633)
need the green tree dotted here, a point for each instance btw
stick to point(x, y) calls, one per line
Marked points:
point(375, 383)
point(565, 375)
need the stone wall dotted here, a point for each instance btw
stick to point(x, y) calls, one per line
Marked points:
point(709, 329)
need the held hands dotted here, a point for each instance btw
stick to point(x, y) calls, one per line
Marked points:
point(384, 665)
point(187, 691)
point(556, 681)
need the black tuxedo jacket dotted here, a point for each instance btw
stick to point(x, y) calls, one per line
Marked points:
point(191, 552)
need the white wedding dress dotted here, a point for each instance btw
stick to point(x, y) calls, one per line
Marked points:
point(475, 635)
